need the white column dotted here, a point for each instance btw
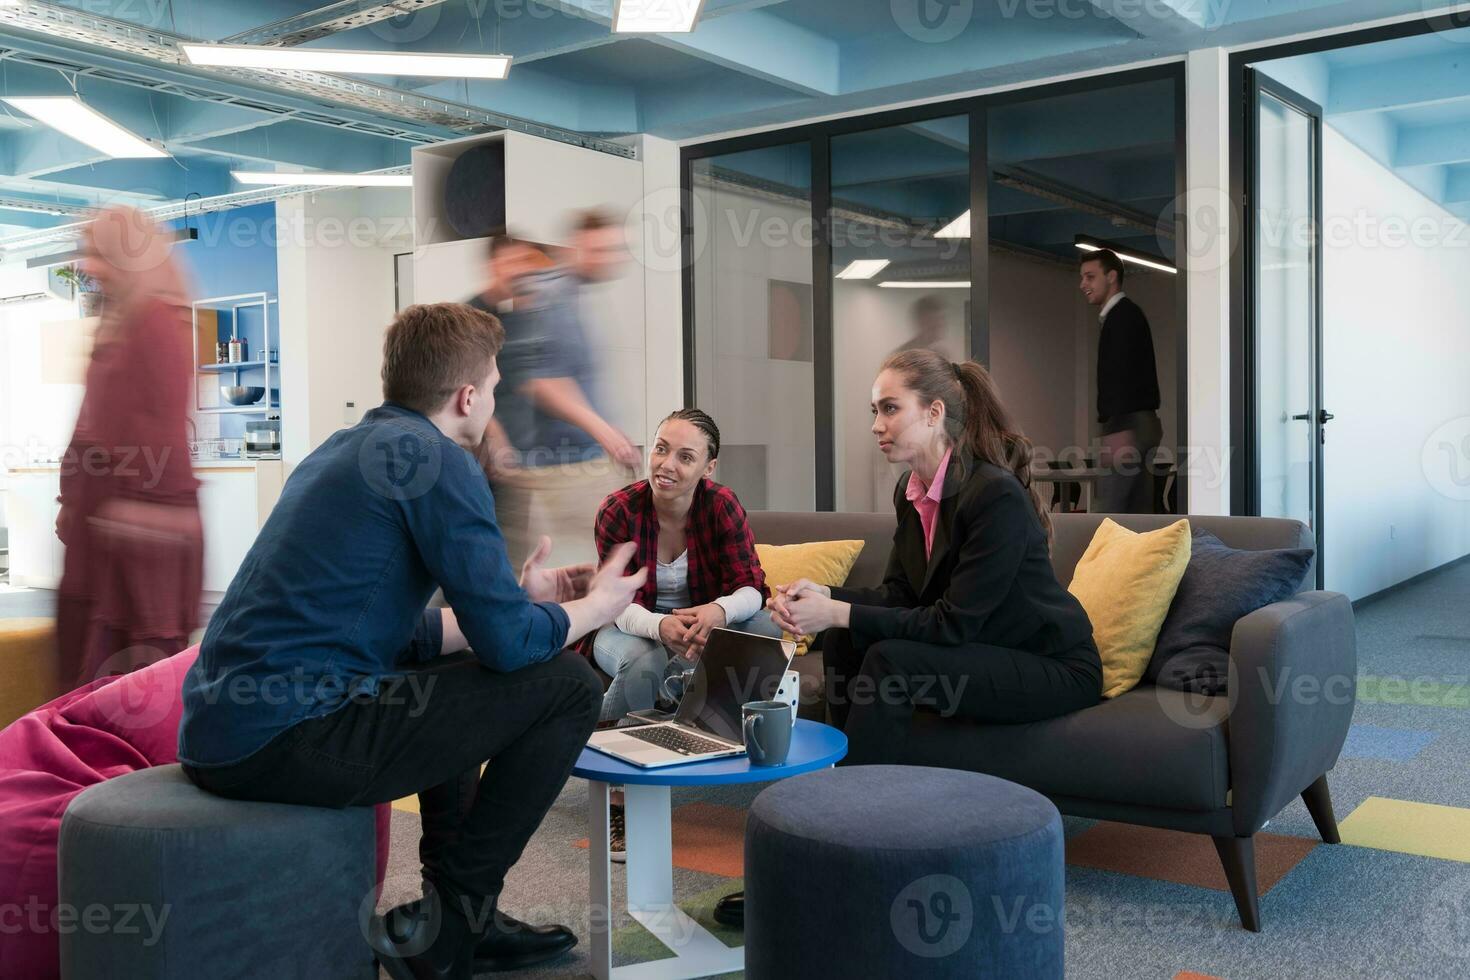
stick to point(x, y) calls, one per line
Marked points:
point(1213, 230)
point(657, 251)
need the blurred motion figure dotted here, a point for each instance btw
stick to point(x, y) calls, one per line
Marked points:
point(131, 578)
point(551, 453)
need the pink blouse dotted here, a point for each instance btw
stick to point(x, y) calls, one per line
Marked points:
point(926, 500)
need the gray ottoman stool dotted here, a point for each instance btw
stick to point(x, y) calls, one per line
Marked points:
point(901, 871)
point(167, 881)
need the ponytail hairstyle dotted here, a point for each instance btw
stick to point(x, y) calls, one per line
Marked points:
point(974, 418)
point(701, 421)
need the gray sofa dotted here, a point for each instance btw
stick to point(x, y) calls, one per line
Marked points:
point(1221, 766)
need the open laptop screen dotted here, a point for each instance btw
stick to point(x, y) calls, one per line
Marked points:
point(734, 668)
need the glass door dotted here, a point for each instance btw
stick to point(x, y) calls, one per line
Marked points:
point(1285, 304)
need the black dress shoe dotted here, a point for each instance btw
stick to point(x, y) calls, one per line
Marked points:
point(513, 945)
point(730, 910)
point(508, 944)
point(424, 940)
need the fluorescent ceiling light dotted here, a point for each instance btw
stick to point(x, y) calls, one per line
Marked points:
point(1097, 245)
point(351, 62)
point(925, 284)
point(958, 228)
point(863, 268)
point(655, 16)
point(69, 116)
point(322, 179)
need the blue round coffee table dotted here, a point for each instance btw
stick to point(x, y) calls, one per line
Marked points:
point(650, 865)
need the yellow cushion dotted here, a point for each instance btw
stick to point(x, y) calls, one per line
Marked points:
point(28, 667)
point(824, 562)
point(1126, 581)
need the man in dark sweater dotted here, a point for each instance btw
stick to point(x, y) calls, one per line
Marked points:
point(1127, 390)
point(324, 680)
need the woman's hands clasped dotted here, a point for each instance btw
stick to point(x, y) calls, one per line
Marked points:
point(803, 607)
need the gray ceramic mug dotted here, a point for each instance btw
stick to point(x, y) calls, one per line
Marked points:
point(767, 726)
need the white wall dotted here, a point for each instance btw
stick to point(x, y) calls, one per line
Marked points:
point(1396, 346)
point(335, 267)
point(546, 182)
point(36, 416)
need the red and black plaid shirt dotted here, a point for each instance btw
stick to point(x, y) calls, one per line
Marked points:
point(722, 555)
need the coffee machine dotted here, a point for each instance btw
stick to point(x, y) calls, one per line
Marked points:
point(263, 438)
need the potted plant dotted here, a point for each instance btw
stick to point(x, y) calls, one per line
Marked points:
point(89, 299)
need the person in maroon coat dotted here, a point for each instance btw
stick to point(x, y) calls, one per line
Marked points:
point(131, 579)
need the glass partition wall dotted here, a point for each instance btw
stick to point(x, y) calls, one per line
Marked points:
point(750, 222)
point(1066, 177)
point(813, 253)
point(900, 276)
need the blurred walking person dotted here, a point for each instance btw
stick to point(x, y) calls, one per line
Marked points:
point(131, 579)
point(567, 455)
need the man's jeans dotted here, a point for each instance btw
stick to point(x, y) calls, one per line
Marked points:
point(427, 732)
point(638, 665)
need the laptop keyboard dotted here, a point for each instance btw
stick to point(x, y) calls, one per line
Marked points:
point(676, 740)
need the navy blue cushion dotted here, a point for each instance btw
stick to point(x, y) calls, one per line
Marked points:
point(1220, 585)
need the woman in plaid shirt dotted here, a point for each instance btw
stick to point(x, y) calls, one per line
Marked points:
point(703, 572)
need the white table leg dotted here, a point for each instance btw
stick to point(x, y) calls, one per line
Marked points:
point(650, 869)
point(599, 877)
point(650, 846)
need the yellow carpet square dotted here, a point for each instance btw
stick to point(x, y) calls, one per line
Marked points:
point(1427, 829)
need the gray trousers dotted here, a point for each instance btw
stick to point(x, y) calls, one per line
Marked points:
point(1134, 442)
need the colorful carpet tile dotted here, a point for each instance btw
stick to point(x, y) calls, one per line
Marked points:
point(1171, 855)
point(1427, 829)
point(1391, 744)
point(709, 838)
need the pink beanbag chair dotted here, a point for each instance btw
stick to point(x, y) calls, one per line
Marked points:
point(112, 726)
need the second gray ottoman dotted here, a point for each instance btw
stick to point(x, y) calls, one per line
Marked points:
point(901, 871)
point(197, 886)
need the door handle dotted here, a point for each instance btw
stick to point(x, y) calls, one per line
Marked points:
point(1323, 417)
point(1304, 417)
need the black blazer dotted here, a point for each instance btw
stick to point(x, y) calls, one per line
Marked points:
point(1127, 377)
point(990, 579)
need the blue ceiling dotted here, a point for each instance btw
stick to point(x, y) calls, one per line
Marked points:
point(1405, 102)
point(750, 63)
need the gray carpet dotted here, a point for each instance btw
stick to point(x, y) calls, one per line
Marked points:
point(1343, 912)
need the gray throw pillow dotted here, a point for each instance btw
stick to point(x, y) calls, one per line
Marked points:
point(1220, 585)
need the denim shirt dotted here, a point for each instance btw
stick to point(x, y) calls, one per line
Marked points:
point(331, 598)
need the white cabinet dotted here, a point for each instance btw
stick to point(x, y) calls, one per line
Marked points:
point(234, 501)
point(30, 514)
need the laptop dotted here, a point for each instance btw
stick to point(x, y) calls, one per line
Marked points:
point(734, 668)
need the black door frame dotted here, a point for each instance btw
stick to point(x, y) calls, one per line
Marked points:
point(1262, 85)
point(818, 135)
point(1244, 471)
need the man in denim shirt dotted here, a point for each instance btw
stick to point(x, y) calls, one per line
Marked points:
point(323, 679)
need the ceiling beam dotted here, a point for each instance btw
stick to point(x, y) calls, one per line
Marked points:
point(300, 144)
point(738, 36)
point(1426, 146)
point(1400, 84)
point(1457, 187)
point(765, 47)
point(346, 15)
point(1162, 19)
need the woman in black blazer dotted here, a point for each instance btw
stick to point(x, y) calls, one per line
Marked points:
point(970, 619)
